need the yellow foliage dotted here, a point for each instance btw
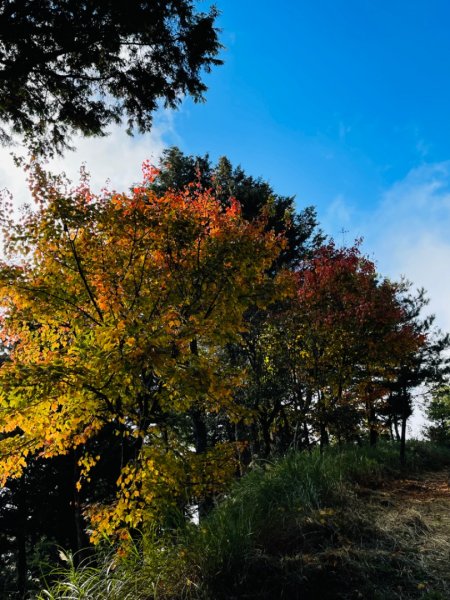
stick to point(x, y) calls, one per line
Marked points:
point(99, 320)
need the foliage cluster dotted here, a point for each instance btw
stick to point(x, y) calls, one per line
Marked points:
point(438, 413)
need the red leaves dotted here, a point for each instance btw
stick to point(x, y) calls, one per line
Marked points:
point(342, 288)
point(149, 172)
point(352, 329)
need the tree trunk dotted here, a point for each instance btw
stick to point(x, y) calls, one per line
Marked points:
point(403, 433)
point(324, 437)
point(200, 441)
point(21, 540)
point(244, 453)
point(80, 538)
point(200, 431)
point(255, 441)
point(391, 428)
point(372, 424)
point(373, 436)
point(323, 416)
point(266, 438)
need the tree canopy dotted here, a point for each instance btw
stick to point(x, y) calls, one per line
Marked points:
point(438, 413)
point(299, 227)
point(114, 312)
point(78, 65)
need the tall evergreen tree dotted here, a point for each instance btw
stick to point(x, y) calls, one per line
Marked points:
point(300, 227)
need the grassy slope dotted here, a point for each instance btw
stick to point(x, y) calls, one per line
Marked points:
point(344, 525)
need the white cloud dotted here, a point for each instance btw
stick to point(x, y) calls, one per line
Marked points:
point(422, 148)
point(409, 234)
point(116, 158)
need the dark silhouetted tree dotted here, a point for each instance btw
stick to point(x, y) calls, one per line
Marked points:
point(253, 194)
point(78, 65)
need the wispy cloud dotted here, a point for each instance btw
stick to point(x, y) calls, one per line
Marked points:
point(409, 234)
point(343, 131)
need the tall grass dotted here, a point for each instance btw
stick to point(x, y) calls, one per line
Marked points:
point(270, 537)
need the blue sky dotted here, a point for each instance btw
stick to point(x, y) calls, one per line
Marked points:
point(344, 105)
point(328, 98)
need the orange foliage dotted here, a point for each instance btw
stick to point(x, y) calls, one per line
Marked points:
point(102, 297)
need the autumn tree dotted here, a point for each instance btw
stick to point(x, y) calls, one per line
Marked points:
point(302, 235)
point(359, 333)
point(335, 347)
point(115, 310)
point(299, 227)
point(80, 65)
